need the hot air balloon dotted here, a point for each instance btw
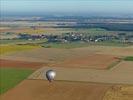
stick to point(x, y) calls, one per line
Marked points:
point(50, 75)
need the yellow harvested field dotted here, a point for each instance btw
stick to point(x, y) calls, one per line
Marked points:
point(119, 92)
point(3, 28)
point(4, 49)
point(37, 30)
point(42, 31)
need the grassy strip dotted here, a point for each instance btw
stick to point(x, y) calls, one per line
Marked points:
point(21, 41)
point(10, 77)
point(81, 44)
point(65, 45)
point(113, 64)
point(129, 58)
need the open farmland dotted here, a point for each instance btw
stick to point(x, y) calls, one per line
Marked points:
point(5, 49)
point(119, 74)
point(88, 79)
point(22, 42)
point(82, 44)
point(67, 57)
point(58, 56)
point(44, 30)
point(10, 77)
point(128, 58)
point(119, 92)
point(58, 90)
point(4, 63)
point(58, 31)
point(66, 50)
point(94, 61)
point(59, 27)
point(93, 69)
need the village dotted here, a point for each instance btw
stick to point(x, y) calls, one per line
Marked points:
point(73, 37)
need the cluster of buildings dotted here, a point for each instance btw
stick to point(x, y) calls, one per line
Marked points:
point(72, 37)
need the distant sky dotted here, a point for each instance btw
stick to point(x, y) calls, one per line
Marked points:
point(67, 6)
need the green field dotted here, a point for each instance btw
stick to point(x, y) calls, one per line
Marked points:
point(129, 58)
point(10, 77)
point(21, 41)
point(81, 44)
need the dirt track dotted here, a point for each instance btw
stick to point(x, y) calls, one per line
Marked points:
point(58, 90)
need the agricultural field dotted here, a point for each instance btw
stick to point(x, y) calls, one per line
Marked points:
point(58, 54)
point(66, 50)
point(81, 44)
point(5, 49)
point(102, 67)
point(121, 73)
point(29, 30)
point(119, 92)
point(58, 31)
point(5, 63)
point(94, 61)
point(10, 77)
point(100, 70)
point(22, 41)
point(58, 90)
point(51, 54)
point(56, 27)
point(129, 58)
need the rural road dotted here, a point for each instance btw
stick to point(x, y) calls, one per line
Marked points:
point(120, 74)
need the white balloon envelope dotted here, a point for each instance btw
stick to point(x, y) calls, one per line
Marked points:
point(50, 75)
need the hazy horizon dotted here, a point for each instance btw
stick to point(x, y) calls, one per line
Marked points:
point(67, 7)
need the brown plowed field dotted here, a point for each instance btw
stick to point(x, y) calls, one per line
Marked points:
point(58, 90)
point(95, 61)
point(20, 64)
point(76, 58)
